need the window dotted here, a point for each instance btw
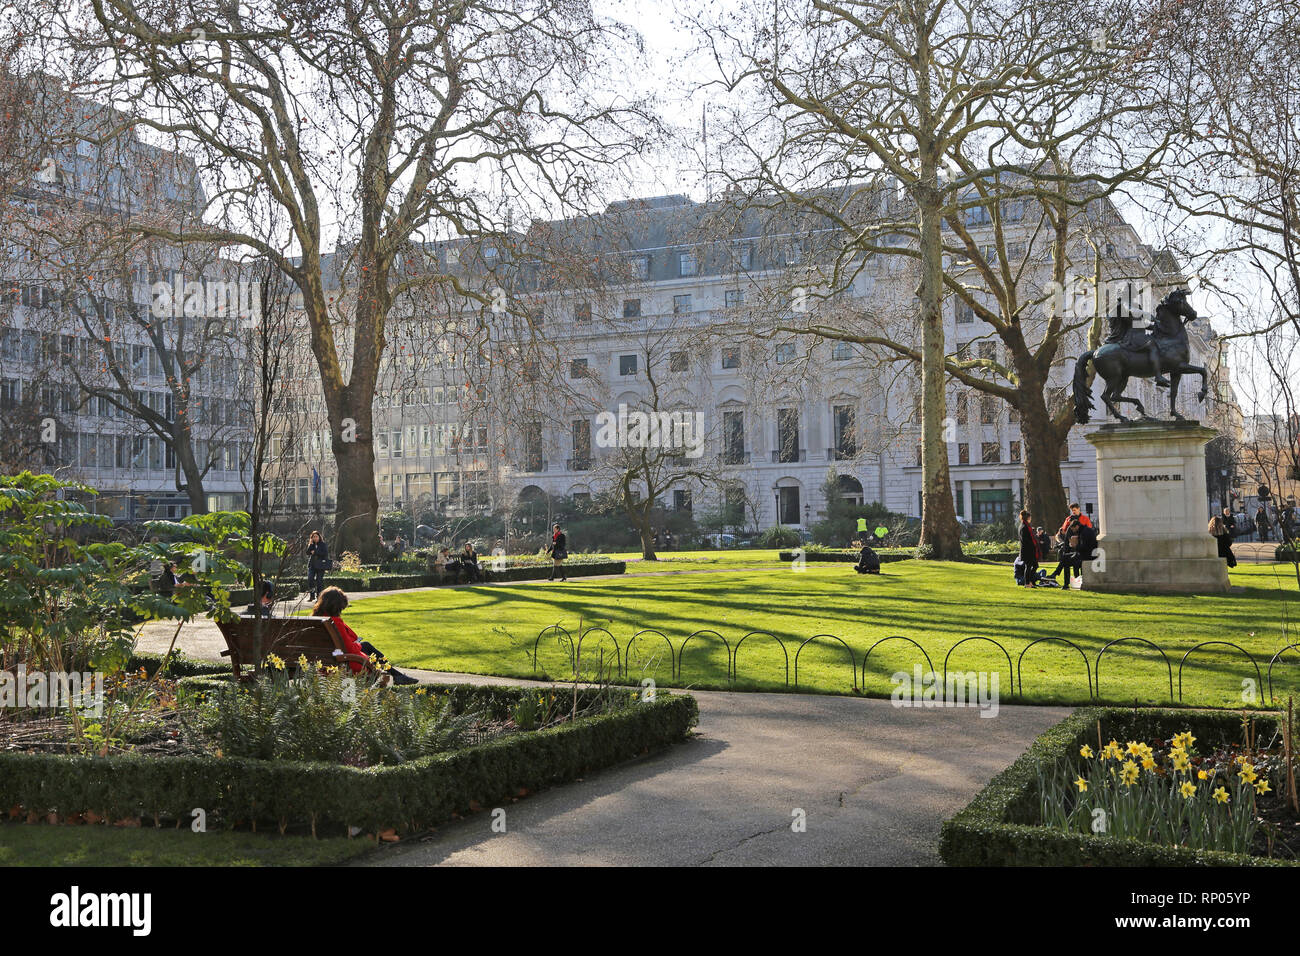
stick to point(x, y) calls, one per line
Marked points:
point(1013, 414)
point(582, 312)
point(746, 255)
point(641, 267)
point(784, 353)
point(733, 437)
point(681, 500)
point(843, 424)
point(963, 403)
point(681, 304)
point(991, 453)
point(578, 368)
point(581, 432)
point(978, 216)
point(787, 435)
point(1015, 452)
point(631, 308)
point(963, 453)
point(988, 410)
point(965, 314)
point(687, 264)
point(533, 447)
point(731, 356)
point(918, 456)
point(989, 350)
point(733, 298)
point(627, 365)
point(490, 255)
point(841, 352)
point(1013, 211)
point(677, 362)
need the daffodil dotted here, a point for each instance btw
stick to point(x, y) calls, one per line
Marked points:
point(1202, 775)
point(1085, 751)
point(1181, 763)
point(1221, 795)
point(1188, 789)
point(1130, 773)
point(1081, 784)
point(1184, 740)
point(1247, 773)
point(1134, 748)
point(1148, 764)
point(1261, 786)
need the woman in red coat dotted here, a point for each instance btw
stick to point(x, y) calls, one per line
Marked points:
point(331, 604)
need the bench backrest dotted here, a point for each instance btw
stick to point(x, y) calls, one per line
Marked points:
point(287, 637)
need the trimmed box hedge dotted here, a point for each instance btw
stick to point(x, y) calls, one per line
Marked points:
point(411, 796)
point(394, 582)
point(1000, 826)
point(851, 557)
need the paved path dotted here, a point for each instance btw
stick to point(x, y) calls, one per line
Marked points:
point(875, 782)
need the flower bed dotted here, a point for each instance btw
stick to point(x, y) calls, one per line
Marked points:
point(1005, 824)
point(408, 796)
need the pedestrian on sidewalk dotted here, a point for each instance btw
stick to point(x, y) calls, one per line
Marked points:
point(1028, 551)
point(559, 550)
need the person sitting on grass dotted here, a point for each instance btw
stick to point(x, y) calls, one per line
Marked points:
point(331, 604)
point(868, 560)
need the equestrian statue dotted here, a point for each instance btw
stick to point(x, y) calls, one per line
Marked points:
point(1136, 353)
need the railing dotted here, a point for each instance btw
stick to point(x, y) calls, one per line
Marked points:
point(734, 458)
point(840, 454)
point(580, 464)
point(789, 457)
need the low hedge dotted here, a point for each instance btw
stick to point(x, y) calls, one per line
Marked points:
point(408, 797)
point(1285, 552)
point(851, 557)
point(179, 666)
point(394, 582)
point(1000, 826)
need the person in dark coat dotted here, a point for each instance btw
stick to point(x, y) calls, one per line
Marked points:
point(264, 604)
point(1261, 523)
point(868, 560)
point(318, 562)
point(1028, 550)
point(1223, 528)
point(559, 550)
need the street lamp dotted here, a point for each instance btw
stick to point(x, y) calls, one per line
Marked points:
point(807, 515)
point(776, 508)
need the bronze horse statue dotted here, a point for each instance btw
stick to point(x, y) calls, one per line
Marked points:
point(1133, 353)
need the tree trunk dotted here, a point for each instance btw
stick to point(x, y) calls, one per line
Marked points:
point(940, 534)
point(184, 453)
point(1044, 488)
point(356, 515)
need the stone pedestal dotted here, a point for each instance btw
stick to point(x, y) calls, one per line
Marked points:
point(1153, 511)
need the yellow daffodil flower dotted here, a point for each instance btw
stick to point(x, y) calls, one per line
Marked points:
point(1148, 764)
point(1247, 773)
point(1181, 763)
point(1085, 751)
point(1221, 795)
point(1261, 786)
point(1130, 773)
point(1081, 784)
point(1188, 789)
point(1202, 775)
point(1134, 748)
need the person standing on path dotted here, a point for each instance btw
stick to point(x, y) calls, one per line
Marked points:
point(1261, 523)
point(559, 550)
point(1028, 550)
point(318, 562)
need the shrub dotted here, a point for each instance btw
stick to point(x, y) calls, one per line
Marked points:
point(780, 537)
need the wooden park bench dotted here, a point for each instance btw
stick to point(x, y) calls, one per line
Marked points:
point(289, 638)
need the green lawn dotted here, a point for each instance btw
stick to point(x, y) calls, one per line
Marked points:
point(491, 630)
point(42, 845)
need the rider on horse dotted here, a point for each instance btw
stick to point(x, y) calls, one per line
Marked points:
point(1140, 341)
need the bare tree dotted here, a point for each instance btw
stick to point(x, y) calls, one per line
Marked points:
point(388, 122)
point(959, 143)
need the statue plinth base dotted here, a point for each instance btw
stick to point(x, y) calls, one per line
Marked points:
point(1153, 511)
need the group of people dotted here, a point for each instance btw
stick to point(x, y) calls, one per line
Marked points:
point(1076, 541)
point(465, 562)
point(667, 540)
